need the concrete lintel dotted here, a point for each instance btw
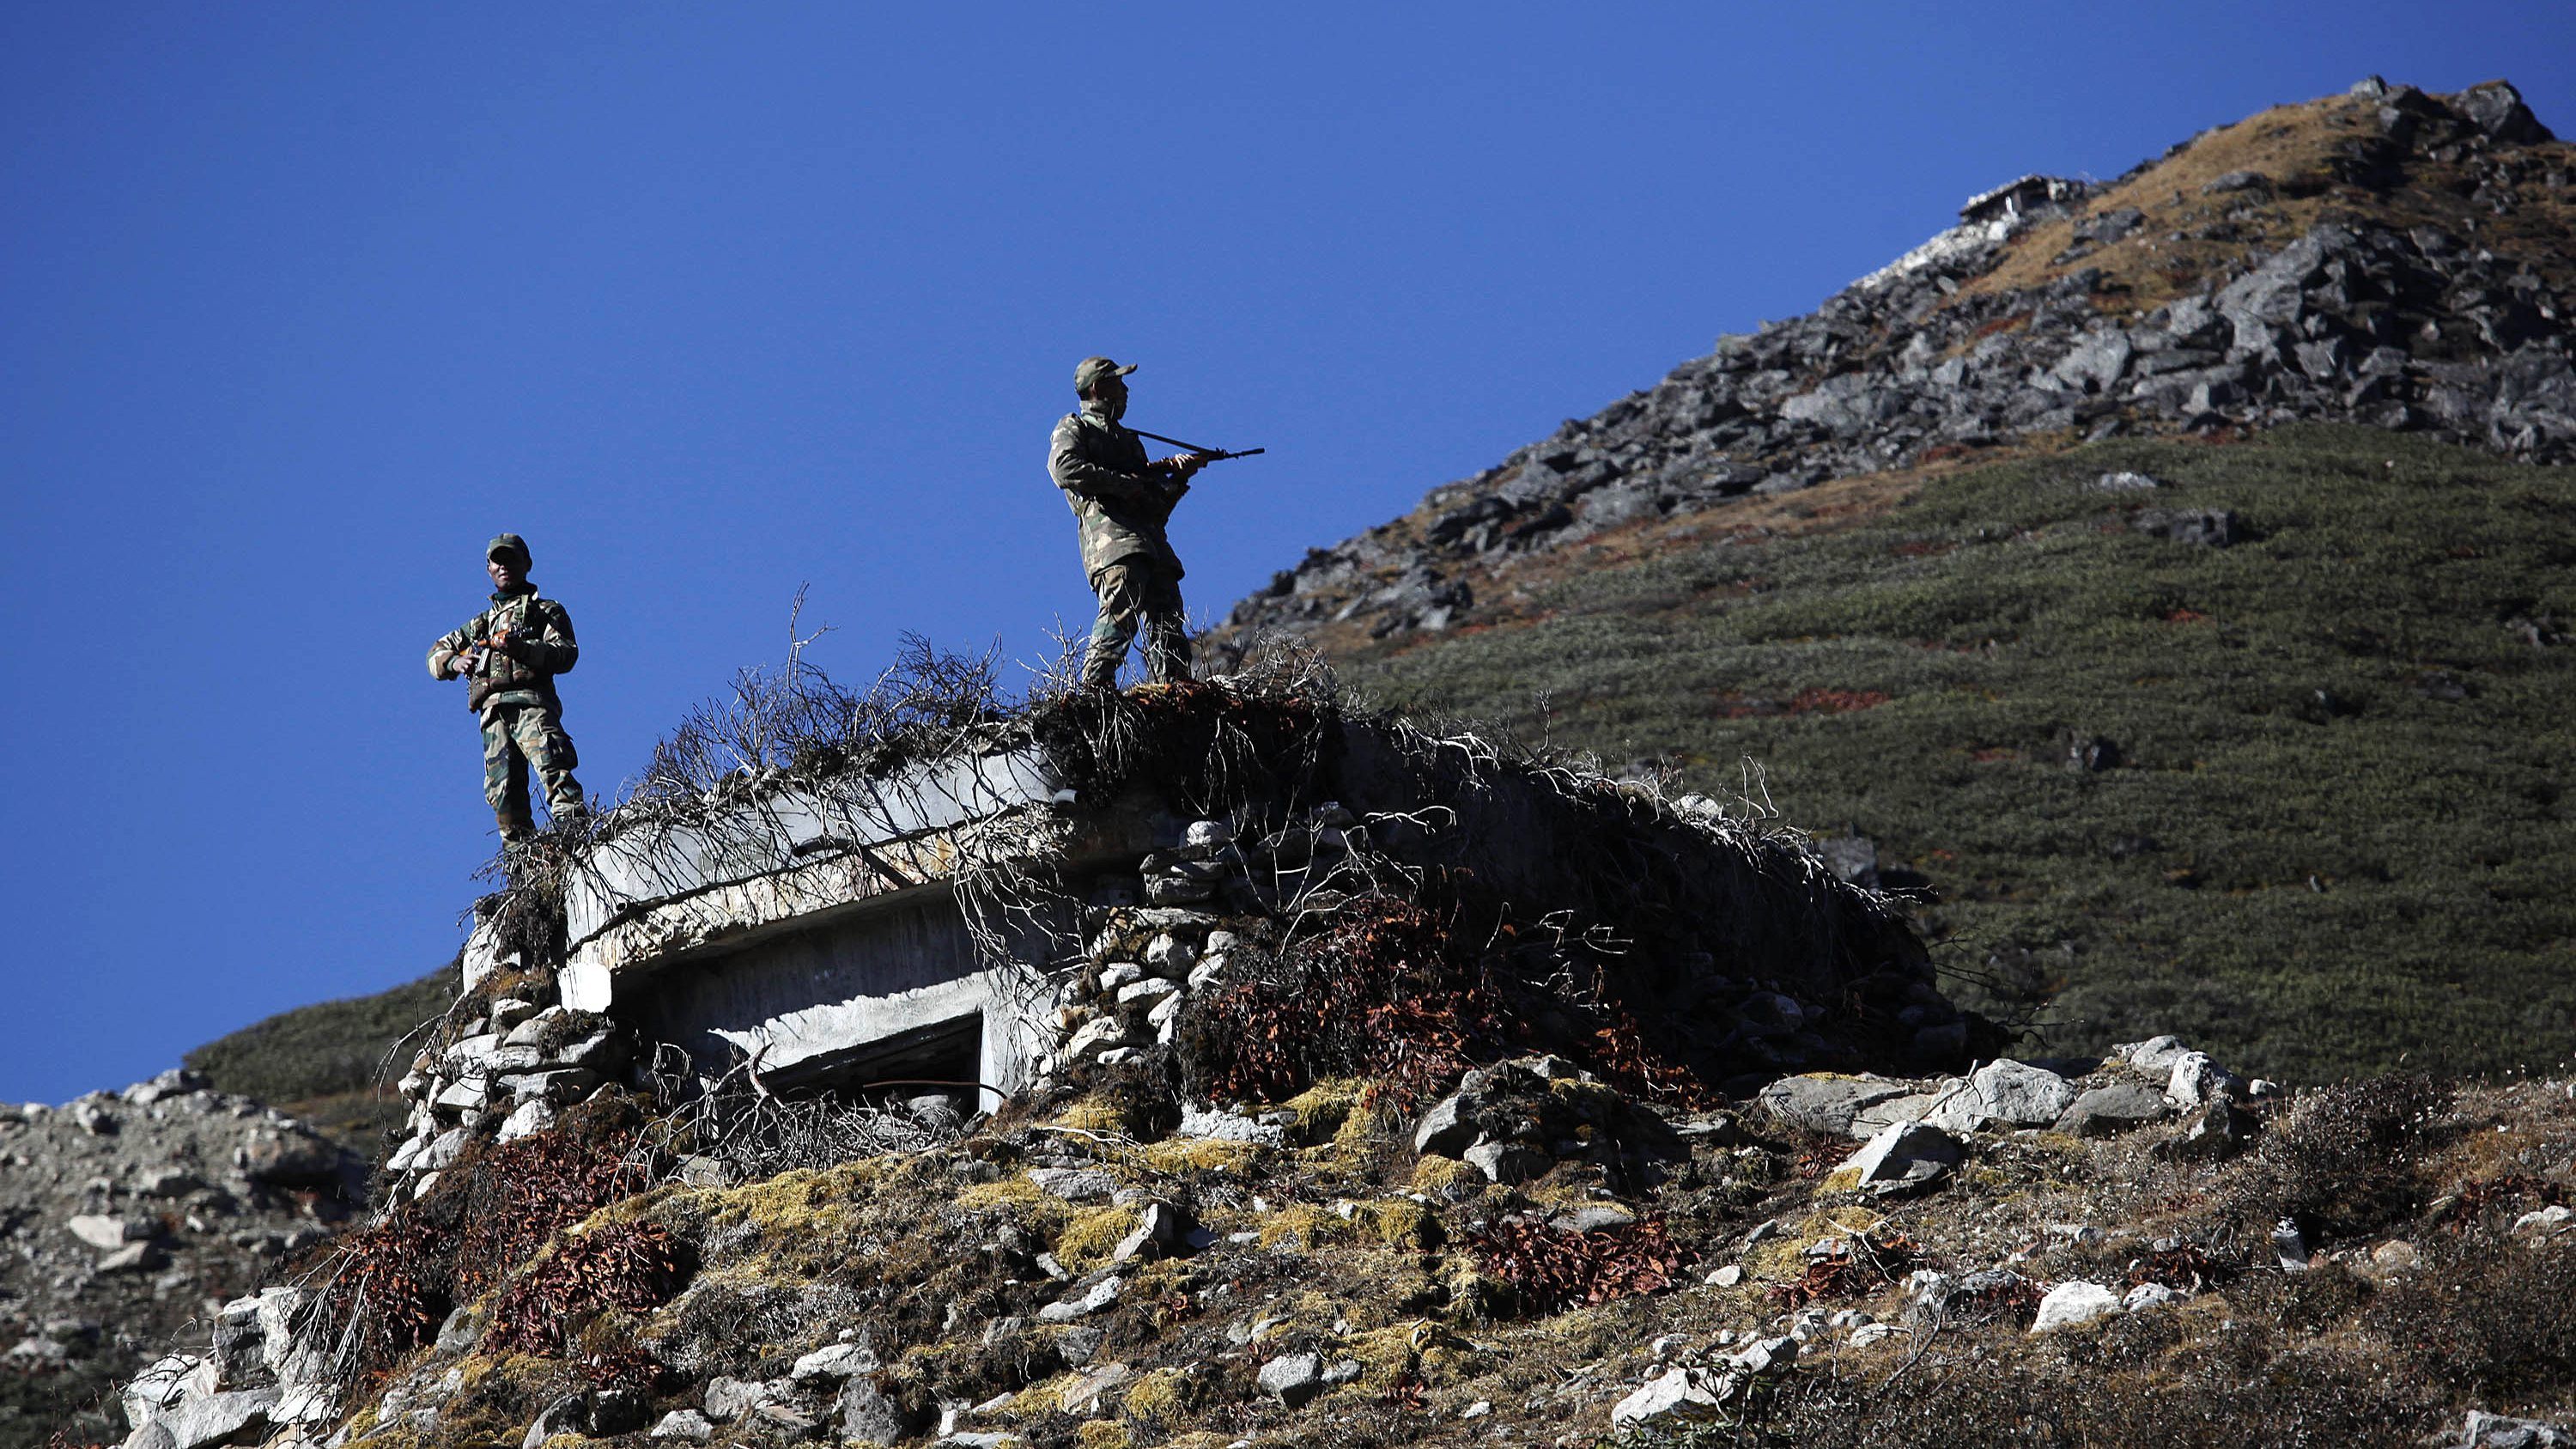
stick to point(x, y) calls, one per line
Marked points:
point(641, 867)
point(726, 918)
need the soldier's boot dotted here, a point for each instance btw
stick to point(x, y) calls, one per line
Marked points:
point(515, 828)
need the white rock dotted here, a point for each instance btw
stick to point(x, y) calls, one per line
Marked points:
point(1106, 1031)
point(686, 1424)
point(169, 1381)
point(1152, 988)
point(2156, 1054)
point(532, 1117)
point(1727, 1277)
point(1207, 834)
point(2070, 1305)
point(2022, 1094)
point(1906, 1154)
point(99, 1230)
point(834, 1362)
point(1676, 1396)
point(1870, 1333)
point(2543, 1221)
point(2149, 1295)
point(1119, 974)
point(1164, 1011)
point(1169, 958)
point(2196, 1079)
point(1119, 1056)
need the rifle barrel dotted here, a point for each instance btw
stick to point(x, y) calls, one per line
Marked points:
point(1195, 448)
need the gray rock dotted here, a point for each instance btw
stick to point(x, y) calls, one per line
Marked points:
point(2022, 1094)
point(2071, 1305)
point(222, 1418)
point(728, 1399)
point(1446, 1130)
point(868, 1416)
point(462, 1330)
point(834, 1363)
point(1083, 1397)
point(2482, 1430)
point(1827, 1103)
point(101, 1231)
point(1293, 1379)
point(531, 1117)
point(1600, 1217)
point(170, 1380)
point(2237, 181)
point(2109, 1110)
point(1080, 1344)
point(1074, 1184)
point(2195, 1079)
point(569, 1414)
point(1905, 1156)
point(1509, 1163)
point(1159, 1228)
point(1676, 1396)
point(684, 1424)
point(1098, 1297)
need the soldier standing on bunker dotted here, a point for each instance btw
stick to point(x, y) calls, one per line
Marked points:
point(1122, 503)
point(508, 656)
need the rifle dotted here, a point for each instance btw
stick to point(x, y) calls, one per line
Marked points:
point(1213, 455)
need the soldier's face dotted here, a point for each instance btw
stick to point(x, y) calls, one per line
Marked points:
point(505, 576)
point(1111, 392)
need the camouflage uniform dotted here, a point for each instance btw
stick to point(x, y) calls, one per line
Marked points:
point(514, 692)
point(1122, 504)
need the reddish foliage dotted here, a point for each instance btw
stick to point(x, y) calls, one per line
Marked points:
point(2182, 1266)
point(2487, 1195)
point(631, 1266)
point(389, 1285)
point(525, 1192)
point(1377, 995)
point(1815, 699)
point(1548, 1271)
point(2185, 616)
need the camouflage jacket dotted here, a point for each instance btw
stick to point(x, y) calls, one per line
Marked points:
point(541, 647)
point(1121, 506)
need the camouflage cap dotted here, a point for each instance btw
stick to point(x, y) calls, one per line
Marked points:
point(1092, 369)
point(509, 543)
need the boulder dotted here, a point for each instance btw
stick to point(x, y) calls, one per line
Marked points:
point(868, 1416)
point(223, 1418)
point(1293, 1379)
point(1678, 1395)
point(834, 1363)
point(1826, 1103)
point(2109, 1110)
point(1098, 1297)
point(1902, 1157)
point(2071, 1305)
point(1074, 1184)
point(2019, 1093)
point(1509, 1163)
point(687, 1425)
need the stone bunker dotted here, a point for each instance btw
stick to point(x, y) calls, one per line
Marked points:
point(930, 922)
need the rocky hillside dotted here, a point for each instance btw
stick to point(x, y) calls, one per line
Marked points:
point(2165, 583)
point(128, 1215)
point(2386, 257)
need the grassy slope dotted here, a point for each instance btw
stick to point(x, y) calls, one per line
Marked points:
point(326, 1062)
point(2003, 608)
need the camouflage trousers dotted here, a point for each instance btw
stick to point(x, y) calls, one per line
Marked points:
point(516, 736)
point(1132, 592)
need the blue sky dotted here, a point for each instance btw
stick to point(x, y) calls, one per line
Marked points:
point(299, 303)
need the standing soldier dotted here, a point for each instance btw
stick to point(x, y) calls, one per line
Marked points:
point(508, 656)
point(1122, 502)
